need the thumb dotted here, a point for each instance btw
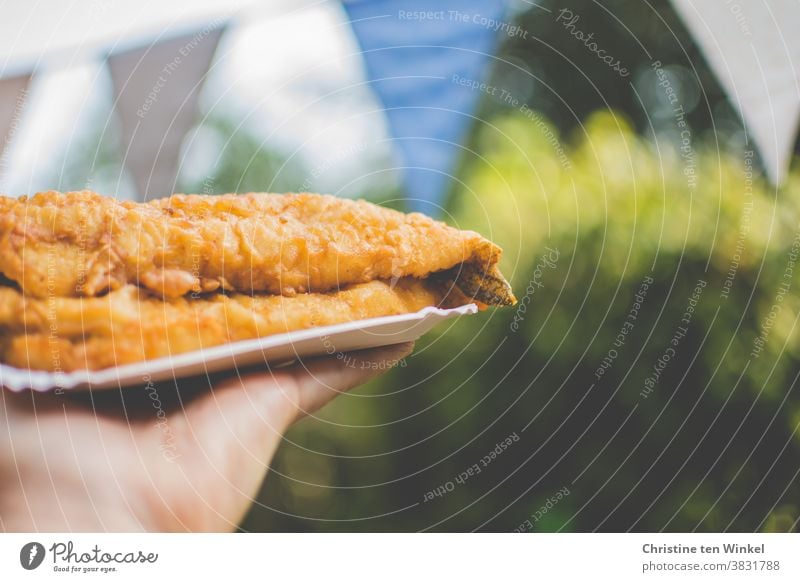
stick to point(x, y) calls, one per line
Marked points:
point(273, 400)
point(322, 380)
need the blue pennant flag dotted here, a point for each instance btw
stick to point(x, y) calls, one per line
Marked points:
point(422, 59)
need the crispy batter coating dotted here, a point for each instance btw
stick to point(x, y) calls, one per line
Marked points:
point(85, 244)
point(129, 325)
point(101, 283)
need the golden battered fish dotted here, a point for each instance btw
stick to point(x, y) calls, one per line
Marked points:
point(130, 325)
point(85, 244)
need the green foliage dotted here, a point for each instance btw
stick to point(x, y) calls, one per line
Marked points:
point(242, 162)
point(713, 445)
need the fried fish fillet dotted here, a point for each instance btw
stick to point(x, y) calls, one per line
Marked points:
point(85, 244)
point(130, 325)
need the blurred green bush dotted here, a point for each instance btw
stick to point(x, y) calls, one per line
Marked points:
point(712, 446)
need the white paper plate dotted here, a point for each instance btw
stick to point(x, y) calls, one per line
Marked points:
point(331, 339)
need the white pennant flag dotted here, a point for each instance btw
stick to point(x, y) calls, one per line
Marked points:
point(753, 46)
point(13, 95)
point(156, 90)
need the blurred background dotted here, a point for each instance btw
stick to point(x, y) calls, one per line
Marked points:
point(647, 380)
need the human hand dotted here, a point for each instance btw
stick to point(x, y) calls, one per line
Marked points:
point(186, 459)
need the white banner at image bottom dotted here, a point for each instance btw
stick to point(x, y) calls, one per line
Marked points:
point(401, 557)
